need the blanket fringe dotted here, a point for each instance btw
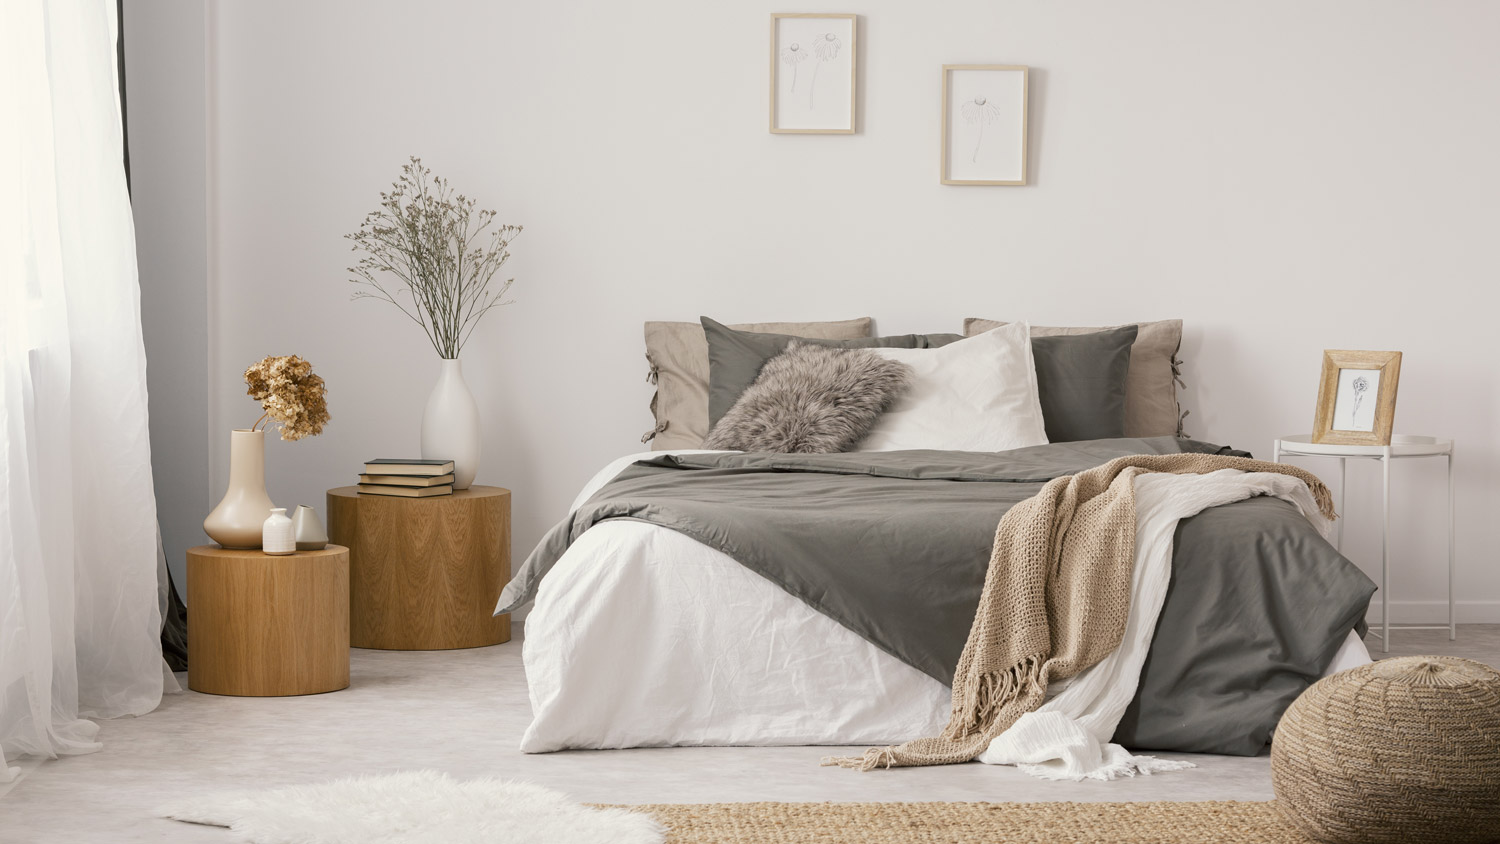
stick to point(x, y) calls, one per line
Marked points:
point(875, 757)
point(1324, 497)
point(977, 716)
point(991, 692)
point(1130, 766)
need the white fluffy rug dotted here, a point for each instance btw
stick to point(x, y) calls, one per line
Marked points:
point(419, 807)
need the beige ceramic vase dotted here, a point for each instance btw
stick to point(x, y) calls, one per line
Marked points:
point(236, 523)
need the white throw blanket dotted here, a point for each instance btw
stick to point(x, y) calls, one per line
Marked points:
point(1067, 738)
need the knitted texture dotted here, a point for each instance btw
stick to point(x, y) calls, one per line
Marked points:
point(1055, 599)
point(1403, 750)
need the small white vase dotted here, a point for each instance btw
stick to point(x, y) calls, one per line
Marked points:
point(236, 523)
point(450, 424)
point(276, 535)
point(308, 529)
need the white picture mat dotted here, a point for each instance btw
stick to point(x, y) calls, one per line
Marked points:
point(1355, 411)
point(988, 143)
point(815, 92)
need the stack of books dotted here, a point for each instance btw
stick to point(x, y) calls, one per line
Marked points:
point(407, 478)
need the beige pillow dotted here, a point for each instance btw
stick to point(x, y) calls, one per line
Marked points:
point(1151, 408)
point(678, 353)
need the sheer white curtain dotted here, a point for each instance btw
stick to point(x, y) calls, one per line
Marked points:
point(79, 559)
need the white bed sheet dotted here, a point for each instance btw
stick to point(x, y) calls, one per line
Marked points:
point(643, 637)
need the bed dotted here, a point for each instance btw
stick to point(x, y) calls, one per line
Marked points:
point(723, 597)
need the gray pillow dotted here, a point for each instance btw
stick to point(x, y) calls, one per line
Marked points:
point(1151, 408)
point(811, 400)
point(1080, 380)
point(735, 357)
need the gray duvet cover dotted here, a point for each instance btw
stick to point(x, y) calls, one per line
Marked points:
point(894, 546)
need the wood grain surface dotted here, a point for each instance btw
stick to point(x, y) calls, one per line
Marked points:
point(424, 573)
point(261, 625)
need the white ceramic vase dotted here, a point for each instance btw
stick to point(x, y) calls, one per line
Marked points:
point(237, 521)
point(450, 424)
point(277, 538)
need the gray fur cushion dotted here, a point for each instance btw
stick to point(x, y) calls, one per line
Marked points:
point(811, 400)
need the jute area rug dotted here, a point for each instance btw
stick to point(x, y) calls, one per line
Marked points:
point(990, 823)
point(428, 807)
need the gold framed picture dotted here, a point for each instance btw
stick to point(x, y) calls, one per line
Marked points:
point(814, 70)
point(984, 124)
point(1357, 397)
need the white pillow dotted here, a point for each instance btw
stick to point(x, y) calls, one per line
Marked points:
point(977, 394)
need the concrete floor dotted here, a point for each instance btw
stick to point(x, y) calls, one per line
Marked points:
point(463, 712)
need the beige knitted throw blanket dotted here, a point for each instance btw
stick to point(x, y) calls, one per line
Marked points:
point(1055, 600)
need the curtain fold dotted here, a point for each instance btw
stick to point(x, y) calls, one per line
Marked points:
point(80, 566)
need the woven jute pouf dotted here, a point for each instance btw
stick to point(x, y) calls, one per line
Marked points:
point(1402, 750)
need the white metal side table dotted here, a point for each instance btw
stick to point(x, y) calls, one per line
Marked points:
point(1401, 447)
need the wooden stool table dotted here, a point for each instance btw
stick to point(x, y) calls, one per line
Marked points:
point(424, 573)
point(267, 626)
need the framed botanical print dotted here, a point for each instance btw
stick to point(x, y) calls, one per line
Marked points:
point(813, 74)
point(984, 124)
point(1357, 398)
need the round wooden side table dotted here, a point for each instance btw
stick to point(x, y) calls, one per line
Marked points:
point(425, 574)
point(266, 626)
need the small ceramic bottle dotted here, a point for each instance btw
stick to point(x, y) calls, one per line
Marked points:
point(276, 535)
point(309, 530)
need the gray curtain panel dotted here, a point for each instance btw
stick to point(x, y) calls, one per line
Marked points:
point(174, 622)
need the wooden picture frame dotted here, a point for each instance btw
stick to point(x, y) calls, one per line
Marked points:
point(805, 46)
point(1357, 397)
point(994, 101)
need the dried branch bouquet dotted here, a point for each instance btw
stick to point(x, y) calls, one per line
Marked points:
point(433, 243)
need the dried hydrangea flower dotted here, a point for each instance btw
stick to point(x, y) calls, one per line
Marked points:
point(290, 394)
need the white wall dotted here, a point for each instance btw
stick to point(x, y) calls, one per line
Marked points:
point(166, 92)
point(1285, 176)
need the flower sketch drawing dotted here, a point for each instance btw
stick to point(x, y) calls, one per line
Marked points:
point(1357, 400)
point(979, 112)
point(826, 47)
point(806, 96)
point(1360, 385)
point(792, 56)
